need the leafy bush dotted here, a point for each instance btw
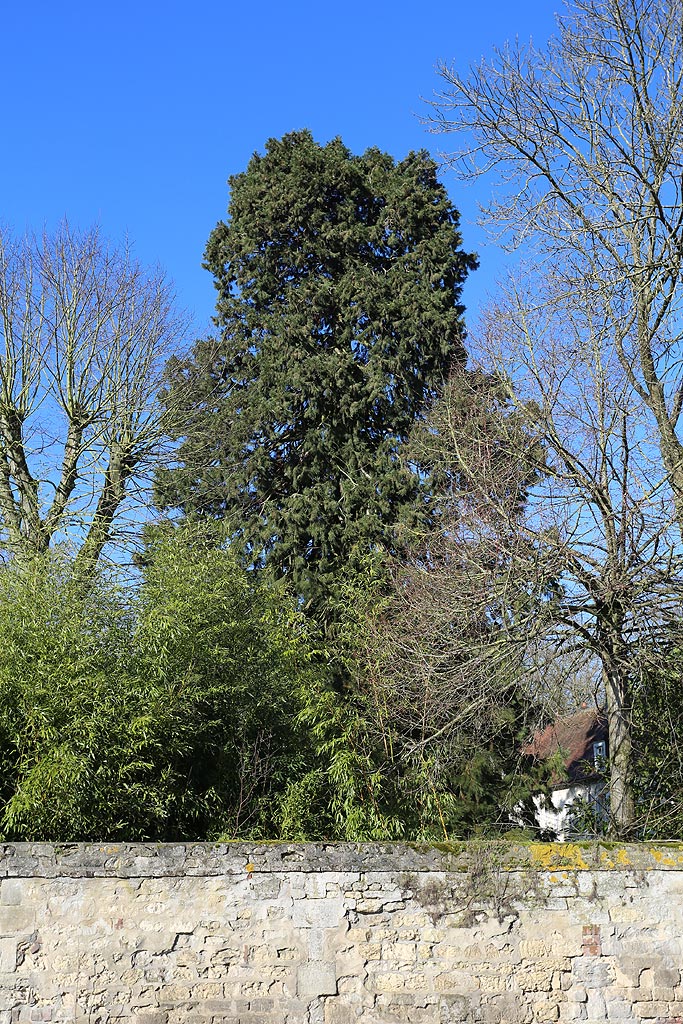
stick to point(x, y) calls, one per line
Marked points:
point(197, 706)
point(167, 714)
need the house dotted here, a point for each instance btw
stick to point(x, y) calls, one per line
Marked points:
point(578, 744)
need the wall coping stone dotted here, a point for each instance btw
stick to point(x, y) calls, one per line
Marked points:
point(163, 860)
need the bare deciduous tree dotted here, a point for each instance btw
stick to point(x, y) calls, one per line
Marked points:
point(605, 507)
point(583, 566)
point(587, 137)
point(84, 332)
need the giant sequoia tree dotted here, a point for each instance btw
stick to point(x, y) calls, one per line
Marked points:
point(339, 281)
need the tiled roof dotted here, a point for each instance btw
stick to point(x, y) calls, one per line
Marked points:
point(574, 735)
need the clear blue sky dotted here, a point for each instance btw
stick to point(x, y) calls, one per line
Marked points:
point(134, 115)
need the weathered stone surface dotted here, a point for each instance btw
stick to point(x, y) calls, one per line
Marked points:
point(331, 933)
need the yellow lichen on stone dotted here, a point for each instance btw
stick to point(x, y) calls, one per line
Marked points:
point(548, 856)
point(666, 858)
point(612, 858)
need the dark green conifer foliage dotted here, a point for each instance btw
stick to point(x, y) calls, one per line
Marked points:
point(339, 280)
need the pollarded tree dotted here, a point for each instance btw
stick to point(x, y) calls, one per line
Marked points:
point(84, 334)
point(339, 280)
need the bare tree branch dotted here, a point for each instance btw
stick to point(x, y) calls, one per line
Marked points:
point(556, 527)
point(587, 138)
point(84, 334)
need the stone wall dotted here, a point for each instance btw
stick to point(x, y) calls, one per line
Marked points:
point(330, 934)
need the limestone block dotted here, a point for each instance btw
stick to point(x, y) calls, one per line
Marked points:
point(8, 955)
point(245, 1018)
point(402, 951)
point(416, 981)
point(593, 973)
point(454, 947)
point(508, 1005)
point(350, 984)
point(456, 1009)
point(560, 926)
point(493, 982)
point(618, 1008)
point(663, 994)
point(397, 1014)
point(665, 975)
point(536, 979)
point(456, 981)
point(596, 1005)
point(337, 1012)
point(573, 1012)
point(317, 978)
point(546, 1011)
point(11, 891)
point(626, 913)
point(262, 1005)
point(651, 1009)
point(370, 950)
point(176, 994)
point(16, 919)
point(577, 994)
point(387, 981)
point(319, 913)
point(189, 1017)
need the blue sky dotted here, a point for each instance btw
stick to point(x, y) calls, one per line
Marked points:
point(134, 115)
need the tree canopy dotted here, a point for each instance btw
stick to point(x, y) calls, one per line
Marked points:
point(339, 280)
